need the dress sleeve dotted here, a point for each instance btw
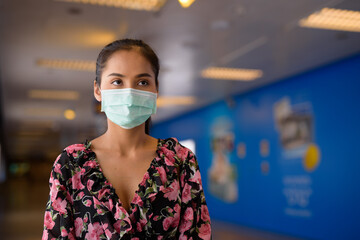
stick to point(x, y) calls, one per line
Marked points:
point(195, 219)
point(58, 219)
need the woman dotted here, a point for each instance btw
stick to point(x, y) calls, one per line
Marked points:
point(126, 184)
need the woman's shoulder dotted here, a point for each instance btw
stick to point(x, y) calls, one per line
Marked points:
point(172, 148)
point(74, 153)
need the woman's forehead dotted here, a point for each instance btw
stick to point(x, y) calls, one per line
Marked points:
point(128, 61)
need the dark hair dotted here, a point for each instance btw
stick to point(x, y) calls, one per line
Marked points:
point(128, 45)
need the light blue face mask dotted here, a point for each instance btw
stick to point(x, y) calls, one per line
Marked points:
point(128, 107)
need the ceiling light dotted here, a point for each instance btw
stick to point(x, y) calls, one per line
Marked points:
point(186, 3)
point(231, 73)
point(333, 19)
point(67, 64)
point(69, 114)
point(53, 94)
point(43, 112)
point(171, 101)
point(147, 5)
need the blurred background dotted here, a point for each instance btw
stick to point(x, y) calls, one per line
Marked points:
point(266, 93)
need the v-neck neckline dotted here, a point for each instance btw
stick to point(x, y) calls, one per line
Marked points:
point(109, 184)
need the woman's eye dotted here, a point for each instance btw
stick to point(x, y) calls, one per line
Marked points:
point(117, 82)
point(143, 83)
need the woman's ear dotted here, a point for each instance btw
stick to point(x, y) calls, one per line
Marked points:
point(97, 92)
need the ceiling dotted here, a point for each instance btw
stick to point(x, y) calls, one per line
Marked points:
point(256, 34)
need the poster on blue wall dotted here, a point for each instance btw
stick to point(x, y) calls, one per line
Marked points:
point(299, 155)
point(222, 173)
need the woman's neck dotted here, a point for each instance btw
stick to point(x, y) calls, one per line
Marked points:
point(125, 141)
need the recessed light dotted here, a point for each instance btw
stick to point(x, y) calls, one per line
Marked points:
point(333, 19)
point(165, 101)
point(186, 3)
point(69, 114)
point(53, 94)
point(231, 73)
point(147, 5)
point(79, 65)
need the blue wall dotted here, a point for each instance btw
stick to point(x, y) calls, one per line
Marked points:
point(330, 95)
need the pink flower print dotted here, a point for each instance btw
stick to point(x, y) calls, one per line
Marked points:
point(142, 223)
point(159, 237)
point(80, 195)
point(182, 179)
point(120, 212)
point(57, 168)
point(59, 205)
point(145, 178)
point(86, 218)
point(162, 174)
point(74, 148)
point(109, 204)
point(78, 226)
point(69, 198)
point(177, 208)
point(117, 225)
point(45, 235)
point(186, 194)
point(88, 203)
point(64, 233)
point(182, 152)
point(54, 190)
point(187, 220)
point(167, 223)
point(169, 156)
point(138, 227)
point(205, 231)
point(108, 233)
point(89, 184)
point(205, 213)
point(156, 218)
point(94, 231)
point(183, 237)
point(103, 192)
point(189, 214)
point(71, 234)
point(48, 222)
point(176, 219)
point(196, 178)
point(76, 180)
point(98, 207)
point(135, 238)
point(174, 192)
point(90, 163)
point(138, 200)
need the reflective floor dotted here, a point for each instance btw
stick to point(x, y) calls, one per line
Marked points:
point(22, 204)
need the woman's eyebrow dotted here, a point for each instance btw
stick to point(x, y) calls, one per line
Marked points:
point(116, 75)
point(143, 75)
point(137, 76)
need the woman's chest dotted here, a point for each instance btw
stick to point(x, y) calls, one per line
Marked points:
point(125, 174)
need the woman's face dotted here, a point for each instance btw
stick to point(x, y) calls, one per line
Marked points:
point(126, 69)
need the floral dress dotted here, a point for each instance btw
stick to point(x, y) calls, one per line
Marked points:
point(169, 202)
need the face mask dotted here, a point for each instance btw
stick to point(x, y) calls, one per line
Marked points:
point(128, 107)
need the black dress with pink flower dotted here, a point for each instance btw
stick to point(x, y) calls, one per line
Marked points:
point(169, 203)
